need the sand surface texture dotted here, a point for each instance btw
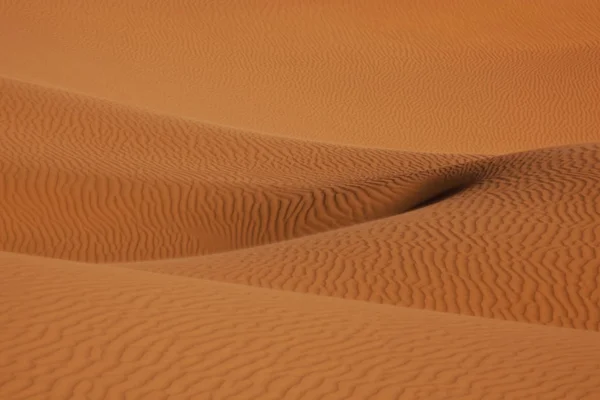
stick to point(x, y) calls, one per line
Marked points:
point(299, 200)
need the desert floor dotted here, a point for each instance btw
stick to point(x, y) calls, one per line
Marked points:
point(252, 199)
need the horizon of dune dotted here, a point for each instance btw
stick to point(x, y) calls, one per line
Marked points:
point(299, 200)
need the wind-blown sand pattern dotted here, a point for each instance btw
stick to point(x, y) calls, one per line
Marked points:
point(299, 200)
point(463, 76)
point(103, 332)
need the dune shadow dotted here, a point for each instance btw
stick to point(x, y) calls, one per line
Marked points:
point(441, 196)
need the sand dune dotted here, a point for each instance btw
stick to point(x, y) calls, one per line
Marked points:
point(463, 76)
point(299, 200)
point(512, 237)
point(520, 242)
point(82, 331)
point(94, 181)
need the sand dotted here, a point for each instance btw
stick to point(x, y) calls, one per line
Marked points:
point(465, 76)
point(299, 200)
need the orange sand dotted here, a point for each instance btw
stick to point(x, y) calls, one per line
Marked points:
point(299, 200)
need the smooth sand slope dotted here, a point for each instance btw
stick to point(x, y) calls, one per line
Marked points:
point(463, 76)
point(299, 200)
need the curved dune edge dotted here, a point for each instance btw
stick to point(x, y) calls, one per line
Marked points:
point(75, 331)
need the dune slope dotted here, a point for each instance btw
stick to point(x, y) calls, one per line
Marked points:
point(82, 331)
point(520, 242)
point(90, 180)
point(512, 237)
